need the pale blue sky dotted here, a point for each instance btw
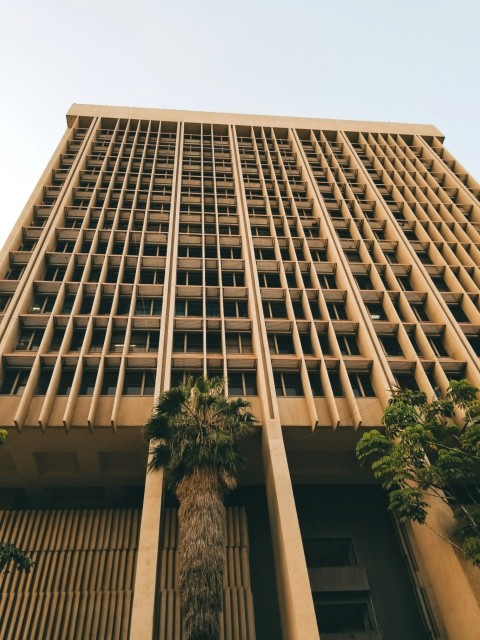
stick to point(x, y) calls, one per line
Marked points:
point(404, 61)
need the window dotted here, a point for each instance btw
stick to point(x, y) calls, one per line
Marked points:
point(352, 255)
point(123, 306)
point(404, 282)
point(329, 552)
point(78, 337)
point(112, 274)
point(376, 312)
point(211, 278)
point(264, 254)
point(189, 251)
point(43, 304)
point(298, 309)
point(152, 276)
point(361, 385)
point(28, 244)
point(291, 279)
point(235, 308)
point(87, 385)
point(29, 340)
point(438, 347)
point(314, 309)
point(337, 310)
point(274, 309)
point(242, 384)
point(212, 308)
point(128, 275)
point(424, 257)
point(214, 342)
point(117, 248)
point(319, 255)
point(77, 274)
point(419, 312)
point(411, 337)
point(343, 233)
point(348, 345)
point(109, 383)
point(105, 305)
point(288, 384)
point(144, 341)
point(86, 306)
point(210, 251)
point(148, 306)
point(269, 279)
point(233, 279)
point(341, 617)
point(390, 346)
point(458, 313)
point(117, 341)
point(98, 340)
point(68, 303)
point(66, 381)
point(280, 343)
point(15, 273)
point(44, 381)
point(363, 282)
point(188, 342)
point(14, 382)
point(191, 278)
point(325, 344)
point(327, 281)
point(139, 383)
point(474, 343)
point(440, 283)
point(189, 308)
point(5, 301)
point(238, 342)
point(316, 383)
point(54, 273)
point(306, 343)
point(336, 383)
point(406, 381)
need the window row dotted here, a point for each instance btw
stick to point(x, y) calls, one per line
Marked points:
point(144, 306)
point(136, 382)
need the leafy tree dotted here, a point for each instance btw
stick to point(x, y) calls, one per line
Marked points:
point(422, 456)
point(194, 433)
point(9, 553)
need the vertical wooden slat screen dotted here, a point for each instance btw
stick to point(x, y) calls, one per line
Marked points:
point(82, 585)
point(238, 616)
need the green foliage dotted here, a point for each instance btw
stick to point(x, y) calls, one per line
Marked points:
point(9, 553)
point(422, 455)
point(195, 425)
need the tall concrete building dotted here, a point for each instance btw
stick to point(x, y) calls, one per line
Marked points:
point(312, 263)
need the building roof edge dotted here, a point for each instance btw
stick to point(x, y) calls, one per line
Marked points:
point(212, 117)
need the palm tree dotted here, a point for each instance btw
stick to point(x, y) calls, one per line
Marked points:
point(194, 432)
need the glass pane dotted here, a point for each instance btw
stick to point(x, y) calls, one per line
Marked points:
point(149, 383)
point(109, 384)
point(65, 384)
point(88, 383)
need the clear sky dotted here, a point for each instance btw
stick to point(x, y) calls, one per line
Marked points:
point(404, 61)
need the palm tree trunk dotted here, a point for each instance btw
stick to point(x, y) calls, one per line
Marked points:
point(201, 553)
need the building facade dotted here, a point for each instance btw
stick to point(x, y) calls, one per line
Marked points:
point(312, 263)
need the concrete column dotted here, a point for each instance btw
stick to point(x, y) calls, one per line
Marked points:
point(145, 594)
point(296, 603)
point(443, 576)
